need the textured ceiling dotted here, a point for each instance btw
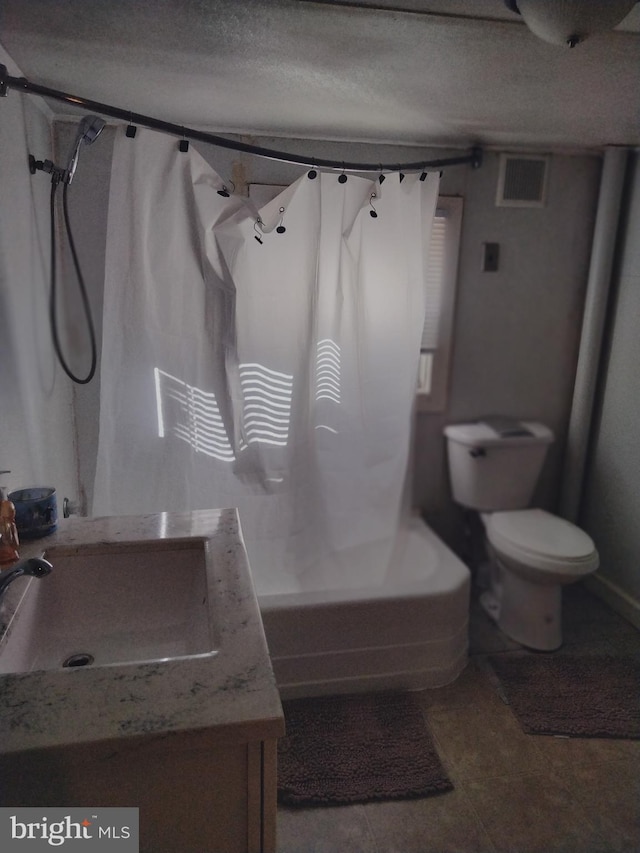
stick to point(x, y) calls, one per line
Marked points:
point(354, 71)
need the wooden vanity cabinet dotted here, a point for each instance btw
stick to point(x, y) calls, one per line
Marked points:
point(217, 798)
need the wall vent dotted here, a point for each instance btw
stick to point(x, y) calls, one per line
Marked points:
point(522, 180)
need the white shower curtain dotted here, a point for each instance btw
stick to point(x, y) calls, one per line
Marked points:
point(271, 370)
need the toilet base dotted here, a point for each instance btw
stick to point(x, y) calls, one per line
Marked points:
point(529, 613)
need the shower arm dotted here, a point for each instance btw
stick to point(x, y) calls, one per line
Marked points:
point(21, 84)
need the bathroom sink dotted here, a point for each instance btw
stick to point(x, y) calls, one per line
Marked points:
point(106, 606)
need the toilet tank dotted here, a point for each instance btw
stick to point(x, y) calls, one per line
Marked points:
point(494, 464)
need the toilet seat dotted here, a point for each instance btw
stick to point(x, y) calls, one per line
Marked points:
point(542, 541)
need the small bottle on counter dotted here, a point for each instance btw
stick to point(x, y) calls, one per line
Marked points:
point(9, 542)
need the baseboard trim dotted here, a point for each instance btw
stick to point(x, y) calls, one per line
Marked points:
point(617, 598)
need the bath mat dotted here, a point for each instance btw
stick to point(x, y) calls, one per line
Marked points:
point(340, 750)
point(578, 696)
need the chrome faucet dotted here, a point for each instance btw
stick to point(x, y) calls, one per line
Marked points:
point(35, 567)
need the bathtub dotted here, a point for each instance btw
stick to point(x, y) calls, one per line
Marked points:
point(406, 629)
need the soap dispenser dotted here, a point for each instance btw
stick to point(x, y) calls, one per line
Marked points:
point(9, 543)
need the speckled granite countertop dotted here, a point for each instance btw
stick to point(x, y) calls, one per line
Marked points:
point(231, 696)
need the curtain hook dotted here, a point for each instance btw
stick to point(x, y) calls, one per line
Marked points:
point(224, 192)
point(423, 176)
point(257, 227)
point(131, 129)
point(281, 229)
point(183, 145)
point(381, 176)
point(372, 213)
point(343, 178)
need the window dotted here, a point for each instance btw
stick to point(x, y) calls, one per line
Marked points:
point(437, 333)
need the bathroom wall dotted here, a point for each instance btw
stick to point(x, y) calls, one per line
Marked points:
point(517, 330)
point(88, 203)
point(612, 488)
point(36, 415)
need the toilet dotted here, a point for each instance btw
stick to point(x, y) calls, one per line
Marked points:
point(494, 466)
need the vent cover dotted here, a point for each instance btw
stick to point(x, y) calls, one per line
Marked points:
point(522, 181)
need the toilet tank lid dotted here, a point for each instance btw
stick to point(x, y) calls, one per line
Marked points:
point(499, 431)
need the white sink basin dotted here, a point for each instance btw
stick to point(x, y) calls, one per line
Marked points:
point(110, 606)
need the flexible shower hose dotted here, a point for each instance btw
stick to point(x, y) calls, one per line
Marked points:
point(53, 313)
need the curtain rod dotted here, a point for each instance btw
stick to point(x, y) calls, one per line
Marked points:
point(21, 84)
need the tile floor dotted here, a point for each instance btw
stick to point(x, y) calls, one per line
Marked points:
point(514, 793)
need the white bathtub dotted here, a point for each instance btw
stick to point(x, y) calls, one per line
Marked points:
point(407, 629)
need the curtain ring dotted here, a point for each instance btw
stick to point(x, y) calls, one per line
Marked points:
point(224, 192)
point(343, 178)
point(280, 229)
point(131, 129)
point(381, 176)
point(372, 213)
point(183, 145)
point(257, 227)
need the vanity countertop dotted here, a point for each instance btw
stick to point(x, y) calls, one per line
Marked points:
point(231, 696)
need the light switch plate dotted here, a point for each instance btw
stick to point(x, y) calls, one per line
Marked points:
point(490, 257)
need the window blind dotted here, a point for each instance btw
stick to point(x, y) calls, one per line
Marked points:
point(434, 282)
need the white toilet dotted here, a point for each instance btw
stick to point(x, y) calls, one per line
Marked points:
point(494, 466)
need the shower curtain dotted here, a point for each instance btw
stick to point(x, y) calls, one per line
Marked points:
point(264, 359)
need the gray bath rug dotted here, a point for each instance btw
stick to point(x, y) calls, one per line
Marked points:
point(578, 696)
point(340, 750)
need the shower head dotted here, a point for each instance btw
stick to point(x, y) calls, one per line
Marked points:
point(88, 131)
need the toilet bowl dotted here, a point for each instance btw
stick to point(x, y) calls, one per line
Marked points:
point(533, 554)
point(494, 465)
